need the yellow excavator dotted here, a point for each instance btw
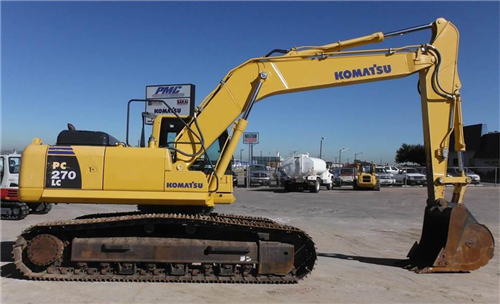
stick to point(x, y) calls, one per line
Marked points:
point(182, 173)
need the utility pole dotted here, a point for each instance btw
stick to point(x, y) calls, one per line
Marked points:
point(241, 155)
point(356, 154)
point(340, 154)
point(321, 147)
point(247, 179)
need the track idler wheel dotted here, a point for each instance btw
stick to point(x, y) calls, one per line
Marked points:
point(452, 241)
point(44, 250)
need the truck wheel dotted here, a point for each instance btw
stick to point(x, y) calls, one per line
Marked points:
point(288, 187)
point(377, 187)
point(314, 188)
point(355, 185)
point(338, 183)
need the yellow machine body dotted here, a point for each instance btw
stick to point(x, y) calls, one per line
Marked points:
point(130, 176)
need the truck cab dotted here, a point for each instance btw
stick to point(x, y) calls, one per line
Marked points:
point(9, 176)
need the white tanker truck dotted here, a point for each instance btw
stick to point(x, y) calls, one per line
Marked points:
point(304, 172)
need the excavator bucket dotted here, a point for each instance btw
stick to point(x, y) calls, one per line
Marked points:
point(452, 241)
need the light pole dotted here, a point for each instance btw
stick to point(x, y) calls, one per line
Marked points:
point(241, 156)
point(340, 154)
point(356, 154)
point(321, 147)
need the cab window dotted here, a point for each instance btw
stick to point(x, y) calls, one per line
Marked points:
point(170, 128)
point(1, 169)
point(14, 164)
point(202, 164)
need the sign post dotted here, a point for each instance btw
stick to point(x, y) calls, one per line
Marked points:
point(251, 139)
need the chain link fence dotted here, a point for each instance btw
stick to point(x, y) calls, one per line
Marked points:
point(479, 175)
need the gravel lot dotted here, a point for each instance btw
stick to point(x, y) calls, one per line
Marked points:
point(360, 238)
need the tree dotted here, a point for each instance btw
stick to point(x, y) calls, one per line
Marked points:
point(411, 154)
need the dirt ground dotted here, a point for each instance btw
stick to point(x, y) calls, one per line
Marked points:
point(361, 236)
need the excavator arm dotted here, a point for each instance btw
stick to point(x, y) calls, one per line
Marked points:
point(309, 68)
point(451, 240)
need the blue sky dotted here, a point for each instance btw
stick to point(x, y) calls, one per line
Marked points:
point(80, 62)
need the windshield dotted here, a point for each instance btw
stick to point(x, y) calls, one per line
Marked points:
point(411, 170)
point(367, 169)
point(381, 170)
point(346, 171)
point(14, 164)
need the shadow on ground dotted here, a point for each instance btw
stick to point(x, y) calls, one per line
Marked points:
point(266, 189)
point(6, 251)
point(400, 263)
point(8, 270)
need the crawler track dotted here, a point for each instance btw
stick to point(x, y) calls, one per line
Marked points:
point(219, 227)
point(18, 210)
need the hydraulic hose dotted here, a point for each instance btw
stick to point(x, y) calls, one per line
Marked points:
point(435, 76)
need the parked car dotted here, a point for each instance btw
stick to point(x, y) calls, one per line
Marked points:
point(343, 176)
point(410, 176)
point(422, 170)
point(384, 177)
point(258, 175)
point(391, 169)
point(476, 179)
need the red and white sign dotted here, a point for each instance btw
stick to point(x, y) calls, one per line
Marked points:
point(251, 138)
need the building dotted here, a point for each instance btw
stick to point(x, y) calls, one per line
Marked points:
point(482, 152)
point(272, 161)
point(472, 137)
point(489, 151)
